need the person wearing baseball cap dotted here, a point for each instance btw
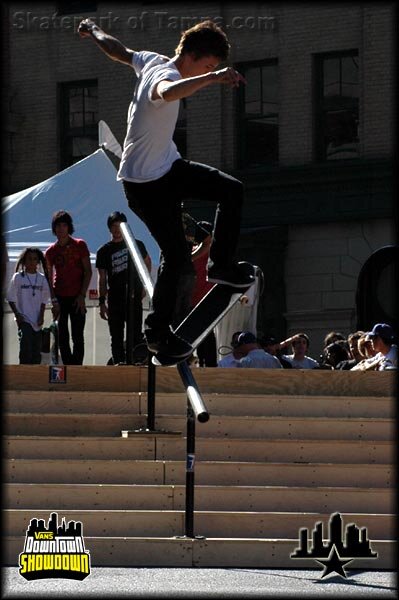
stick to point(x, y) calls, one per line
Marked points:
point(254, 356)
point(382, 337)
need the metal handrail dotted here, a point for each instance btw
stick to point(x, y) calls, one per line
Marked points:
point(138, 260)
point(196, 408)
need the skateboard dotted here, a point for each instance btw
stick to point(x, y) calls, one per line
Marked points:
point(206, 315)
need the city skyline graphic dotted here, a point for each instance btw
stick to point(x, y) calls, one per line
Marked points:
point(74, 528)
point(339, 549)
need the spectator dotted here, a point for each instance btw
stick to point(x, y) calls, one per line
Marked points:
point(27, 296)
point(335, 355)
point(353, 339)
point(231, 359)
point(206, 351)
point(68, 263)
point(254, 356)
point(386, 357)
point(112, 265)
point(271, 346)
point(354, 355)
point(333, 336)
point(299, 358)
point(366, 351)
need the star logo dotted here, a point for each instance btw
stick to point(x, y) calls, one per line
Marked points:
point(337, 551)
point(334, 564)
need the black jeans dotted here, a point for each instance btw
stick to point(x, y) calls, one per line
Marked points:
point(30, 344)
point(117, 316)
point(206, 351)
point(158, 204)
point(78, 320)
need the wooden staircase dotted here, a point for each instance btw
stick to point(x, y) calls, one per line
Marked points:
point(281, 451)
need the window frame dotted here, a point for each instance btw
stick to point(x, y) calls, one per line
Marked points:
point(319, 148)
point(66, 132)
point(242, 119)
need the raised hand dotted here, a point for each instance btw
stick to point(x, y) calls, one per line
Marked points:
point(229, 76)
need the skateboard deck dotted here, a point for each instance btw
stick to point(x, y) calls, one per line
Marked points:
point(206, 315)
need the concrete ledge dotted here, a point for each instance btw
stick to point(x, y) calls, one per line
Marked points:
point(206, 472)
point(210, 552)
point(173, 447)
point(170, 497)
point(257, 427)
point(168, 523)
point(75, 402)
point(253, 381)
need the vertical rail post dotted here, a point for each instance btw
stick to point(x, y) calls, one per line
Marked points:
point(190, 474)
point(148, 284)
point(195, 410)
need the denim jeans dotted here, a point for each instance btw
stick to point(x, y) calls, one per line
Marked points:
point(78, 320)
point(158, 204)
point(30, 345)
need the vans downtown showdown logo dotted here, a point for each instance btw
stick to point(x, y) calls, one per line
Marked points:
point(55, 551)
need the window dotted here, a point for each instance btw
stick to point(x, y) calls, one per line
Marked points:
point(79, 121)
point(180, 134)
point(258, 114)
point(337, 106)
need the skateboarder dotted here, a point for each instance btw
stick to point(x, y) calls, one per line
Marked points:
point(155, 177)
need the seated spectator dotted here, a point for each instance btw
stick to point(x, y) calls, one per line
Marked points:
point(231, 359)
point(271, 346)
point(333, 336)
point(355, 356)
point(382, 338)
point(366, 351)
point(336, 354)
point(254, 356)
point(299, 359)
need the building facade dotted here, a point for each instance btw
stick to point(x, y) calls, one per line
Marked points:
point(311, 134)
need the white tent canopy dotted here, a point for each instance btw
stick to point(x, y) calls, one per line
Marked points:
point(89, 191)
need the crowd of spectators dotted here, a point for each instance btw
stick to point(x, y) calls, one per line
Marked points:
point(359, 351)
point(30, 290)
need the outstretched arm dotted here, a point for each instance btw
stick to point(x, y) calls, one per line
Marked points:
point(175, 90)
point(108, 44)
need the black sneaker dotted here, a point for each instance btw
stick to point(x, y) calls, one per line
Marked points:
point(172, 345)
point(232, 276)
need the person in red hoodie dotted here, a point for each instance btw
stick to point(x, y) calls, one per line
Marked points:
point(69, 268)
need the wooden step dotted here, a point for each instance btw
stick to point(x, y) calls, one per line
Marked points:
point(223, 552)
point(73, 402)
point(172, 497)
point(226, 426)
point(206, 472)
point(168, 523)
point(294, 382)
point(173, 447)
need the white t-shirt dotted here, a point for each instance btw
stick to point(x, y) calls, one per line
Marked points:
point(259, 359)
point(306, 363)
point(388, 360)
point(149, 150)
point(21, 290)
